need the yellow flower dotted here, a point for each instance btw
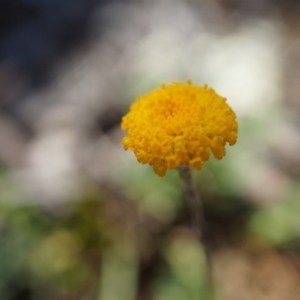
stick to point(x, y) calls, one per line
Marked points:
point(179, 124)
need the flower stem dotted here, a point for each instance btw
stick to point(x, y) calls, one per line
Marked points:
point(193, 202)
point(198, 225)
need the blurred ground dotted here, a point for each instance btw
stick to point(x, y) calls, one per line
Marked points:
point(79, 217)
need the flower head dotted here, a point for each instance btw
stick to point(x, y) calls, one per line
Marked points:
point(179, 124)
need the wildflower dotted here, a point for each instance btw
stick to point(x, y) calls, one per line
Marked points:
point(179, 124)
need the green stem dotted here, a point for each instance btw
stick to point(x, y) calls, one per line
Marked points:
point(198, 225)
point(193, 202)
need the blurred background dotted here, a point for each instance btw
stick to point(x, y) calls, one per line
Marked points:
point(80, 219)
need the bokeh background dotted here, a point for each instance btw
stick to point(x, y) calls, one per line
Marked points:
point(80, 219)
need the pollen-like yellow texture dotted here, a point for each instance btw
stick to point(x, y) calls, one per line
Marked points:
point(179, 124)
